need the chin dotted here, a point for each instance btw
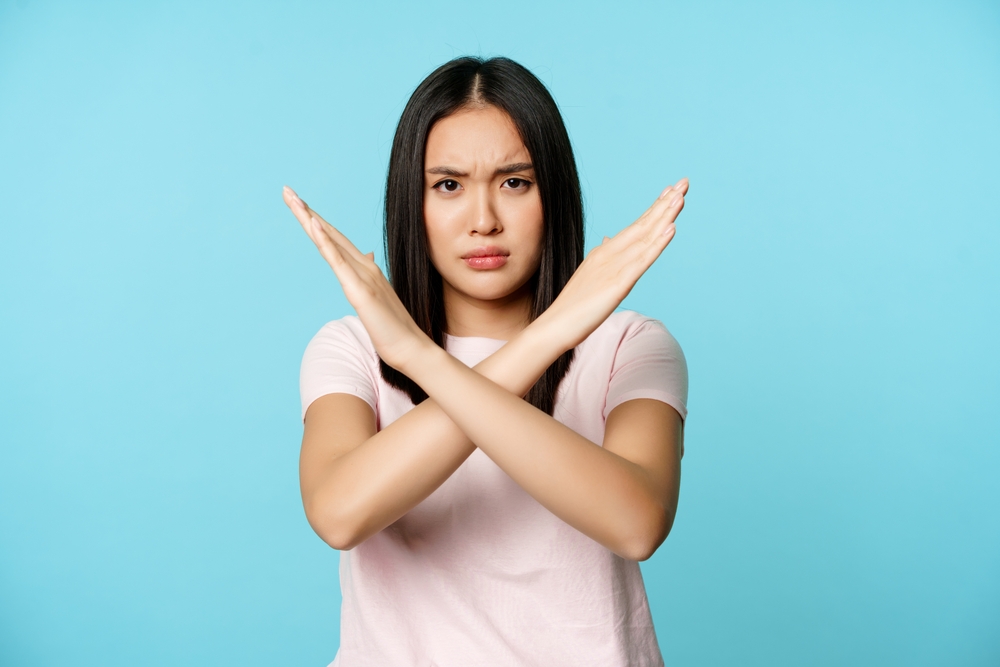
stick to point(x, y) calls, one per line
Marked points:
point(489, 288)
point(490, 294)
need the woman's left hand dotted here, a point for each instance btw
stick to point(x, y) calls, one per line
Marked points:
point(395, 335)
point(611, 270)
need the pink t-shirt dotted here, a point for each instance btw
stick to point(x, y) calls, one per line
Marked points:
point(480, 573)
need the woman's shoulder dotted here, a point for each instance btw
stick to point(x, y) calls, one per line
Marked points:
point(640, 358)
point(626, 325)
point(339, 359)
point(344, 336)
point(348, 327)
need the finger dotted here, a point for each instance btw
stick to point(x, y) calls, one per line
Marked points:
point(642, 255)
point(328, 236)
point(667, 219)
point(292, 200)
point(666, 204)
point(300, 210)
point(652, 223)
point(641, 248)
point(652, 250)
point(370, 255)
point(679, 186)
point(664, 212)
point(289, 196)
point(606, 239)
point(347, 270)
point(654, 220)
point(304, 214)
point(331, 253)
point(341, 240)
point(667, 199)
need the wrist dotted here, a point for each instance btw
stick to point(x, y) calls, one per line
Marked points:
point(426, 357)
point(548, 335)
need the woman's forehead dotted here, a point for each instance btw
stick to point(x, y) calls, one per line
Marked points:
point(472, 138)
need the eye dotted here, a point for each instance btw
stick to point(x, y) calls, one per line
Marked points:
point(517, 183)
point(447, 186)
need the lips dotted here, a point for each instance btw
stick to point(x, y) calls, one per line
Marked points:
point(487, 257)
point(487, 251)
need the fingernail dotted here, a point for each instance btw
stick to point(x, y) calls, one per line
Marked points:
point(670, 228)
point(665, 191)
point(316, 224)
point(294, 197)
point(676, 200)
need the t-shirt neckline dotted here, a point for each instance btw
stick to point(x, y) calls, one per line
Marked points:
point(471, 343)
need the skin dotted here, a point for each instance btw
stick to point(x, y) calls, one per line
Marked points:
point(356, 481)
point(480, 191)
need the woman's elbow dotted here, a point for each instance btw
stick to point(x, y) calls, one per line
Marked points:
point(654, 529)
point(332, 526)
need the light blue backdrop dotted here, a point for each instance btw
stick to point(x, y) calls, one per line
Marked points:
point(834, 285)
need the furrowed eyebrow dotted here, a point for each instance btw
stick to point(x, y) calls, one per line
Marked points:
point(515, 167)
point(505, 169)
point(446, 171)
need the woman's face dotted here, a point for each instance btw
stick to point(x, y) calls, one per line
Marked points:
point(482, 207)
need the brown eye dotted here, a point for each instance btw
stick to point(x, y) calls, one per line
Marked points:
point(516, 183)
point(448, 185)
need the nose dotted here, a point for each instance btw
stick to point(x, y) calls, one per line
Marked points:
point(484, 216)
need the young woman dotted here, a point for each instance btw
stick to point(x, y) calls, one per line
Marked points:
point(492, 447)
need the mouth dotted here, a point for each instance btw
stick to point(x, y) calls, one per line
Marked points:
point(486, 257)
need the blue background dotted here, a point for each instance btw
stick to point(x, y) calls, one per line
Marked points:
point(834, 284)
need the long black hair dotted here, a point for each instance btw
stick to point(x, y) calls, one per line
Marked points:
point(472, 82)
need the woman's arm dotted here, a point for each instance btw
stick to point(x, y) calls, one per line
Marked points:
point(597, 287)
point(355, 482)
point(622, 495)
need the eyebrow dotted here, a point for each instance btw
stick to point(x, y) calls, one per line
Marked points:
point(505, 169)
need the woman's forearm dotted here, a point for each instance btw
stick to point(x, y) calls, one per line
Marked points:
point(598, 492)
point(380, 480)
point(604, 495)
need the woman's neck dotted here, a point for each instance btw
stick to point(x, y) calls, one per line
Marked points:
point(501, 319)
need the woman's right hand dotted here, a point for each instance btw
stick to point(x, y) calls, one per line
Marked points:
point(607, 275)
point(395, 336)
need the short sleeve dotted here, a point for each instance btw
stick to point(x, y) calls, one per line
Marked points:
point(338, 361)
point(649, 363)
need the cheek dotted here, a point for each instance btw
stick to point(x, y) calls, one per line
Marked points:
point(438, 230)
point(535, 228)
point(432, 225)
